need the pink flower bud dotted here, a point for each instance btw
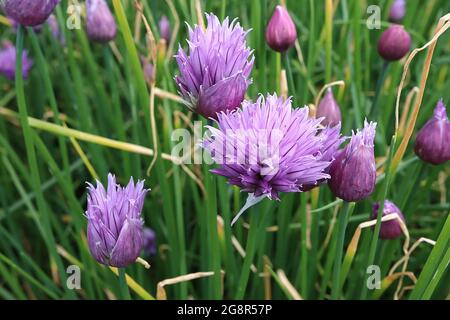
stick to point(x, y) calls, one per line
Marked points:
point(329, 110)
point(280, 32)
point(433, 140)
point(394, 43)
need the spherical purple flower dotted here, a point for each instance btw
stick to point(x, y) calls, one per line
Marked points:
point(353, 172)
point(8, 61)
point(115, 234)
point(280, 31)
point(214, 77)
point(100, 23)
point(164, 28)
point(149, 242)
point(389, 229)
point(329, 110)
point(394, 43)
point(397, 11)
point(433, 140)
point(267, 147)
point(29, 12)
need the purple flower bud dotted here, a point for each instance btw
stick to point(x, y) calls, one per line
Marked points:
point(329, 109)
point(394, 43)
point(353, 172)
point(389, 229)
point(8, 61)
point(55, 30)
point(115, 234)
point(149, 242)
point(100, 23)
point(164, 29)
point(433, 140)
point(280, 31)
point(149, 70)
point(214, 77)
point(29, 12)
point(397, 11)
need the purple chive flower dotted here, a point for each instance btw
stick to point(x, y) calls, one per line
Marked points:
point(267, 147)
point(329, 110)
point(29, 12)
point(332, 139)
point(100, 23)
point(280, 31)
point(149, 242)
point(115, 233)
point(8, 61)
point(397, 11)
point(389, 229)
point(353, 172)
point(164, 29)
point(394, 43)
point(214, 77)
point(433, 140)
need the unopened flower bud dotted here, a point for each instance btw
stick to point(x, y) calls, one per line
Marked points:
point(353, 172)
point(280, 32)
point(329, 110)
point(8, 61)
point(389, 229)
point(100, 23)
point(164, 29)
point(394, 43)
point(149, 242)
point(397, 11)
point(149, 70)
point(433, 140)
point(29, 12)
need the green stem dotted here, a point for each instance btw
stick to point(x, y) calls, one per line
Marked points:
point(255, 223)
point(303, 247)
point(376, 232)
point(277, 71)
point(328, 39)
point(32, 160)
point(213, 237)
point(291, 82)
point(425, 283)
point(382, 77)
point(223, 9)
point(342, 225)
point(124, 291)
